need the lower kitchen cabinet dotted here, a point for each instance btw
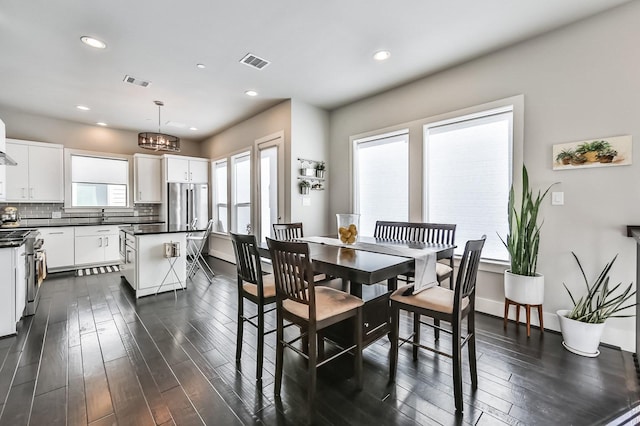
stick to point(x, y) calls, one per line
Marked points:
point(59, 244)
point(13, 288)
point(96, 245)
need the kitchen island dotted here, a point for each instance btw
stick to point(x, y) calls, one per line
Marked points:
point(142, 251)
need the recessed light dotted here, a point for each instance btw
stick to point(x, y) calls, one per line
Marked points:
point(251, 93)
point(381, 55)
point(193, 128)
point(100, 123)
point(201, 66)
point(93, 42)
point(83, 108)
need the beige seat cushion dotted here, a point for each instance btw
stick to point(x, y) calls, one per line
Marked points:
point(329, 302)
point(435, 298)
point(442, 270)
point(268, 286)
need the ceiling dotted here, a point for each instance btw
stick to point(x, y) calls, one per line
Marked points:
point(320, 53)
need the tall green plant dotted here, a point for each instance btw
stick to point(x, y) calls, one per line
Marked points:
point(599, 303)
point(523, 239)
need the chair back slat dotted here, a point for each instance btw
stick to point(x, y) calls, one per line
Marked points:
point(414, 232)
point(247, 258)
point(293, 272)
point(468, 270)
point(287, 231)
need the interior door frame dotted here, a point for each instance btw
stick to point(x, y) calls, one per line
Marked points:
point(273, 140)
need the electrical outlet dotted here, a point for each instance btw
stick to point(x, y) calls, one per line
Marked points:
point(136, 213)
point(56, 215)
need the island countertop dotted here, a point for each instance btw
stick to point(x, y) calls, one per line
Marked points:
point(153, 229)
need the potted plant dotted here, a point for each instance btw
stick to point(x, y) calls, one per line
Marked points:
point(607, 155)
point(320, 167)
point(565, 156)
point(590, 150)
point(582, 326)
point(305, 186)
point(522, 284)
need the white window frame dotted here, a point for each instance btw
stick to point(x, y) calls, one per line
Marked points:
point(68, 153)
point(233, 203)
point(355, 142)
point(459, 119)
point(214, 197)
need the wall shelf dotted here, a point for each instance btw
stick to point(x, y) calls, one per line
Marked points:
point(307, 171)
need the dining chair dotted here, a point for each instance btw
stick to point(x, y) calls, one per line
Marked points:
point(287, 231)
point(300, 301)
point(254, 286)
point(416, 232)
point(449, 305)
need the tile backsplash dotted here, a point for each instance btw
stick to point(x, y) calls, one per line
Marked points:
point(42, 214)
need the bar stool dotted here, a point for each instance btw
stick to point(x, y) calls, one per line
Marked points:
point(172, 254)
point(195, 246)
point(508, 303)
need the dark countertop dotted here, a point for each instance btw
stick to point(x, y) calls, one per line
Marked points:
point(58, 225)
point(150, 229)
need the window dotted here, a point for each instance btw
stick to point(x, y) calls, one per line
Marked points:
point(381, 179)
point(99, 181)
point(220, 204)
point(241, 193)
point(467, 171)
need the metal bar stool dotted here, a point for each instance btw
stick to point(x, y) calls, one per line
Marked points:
point(195, 260)
point(172, 254)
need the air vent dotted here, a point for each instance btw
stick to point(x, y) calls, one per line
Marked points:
point(253, 61)
point(136, 81)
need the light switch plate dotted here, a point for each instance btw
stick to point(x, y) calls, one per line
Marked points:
point(557, 198)
point(306, 201)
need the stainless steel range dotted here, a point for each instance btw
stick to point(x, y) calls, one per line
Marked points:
point(33, 255)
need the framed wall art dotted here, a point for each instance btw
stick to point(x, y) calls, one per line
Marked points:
point(603, 152)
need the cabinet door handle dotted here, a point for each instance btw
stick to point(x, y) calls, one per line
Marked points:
point(140, 195)
point(107, 238)
point(1, 188)
point(30, 192)
point(56, 233)
point(23, 193)
point(185, 176)
point(190, 175)
point(100, 242)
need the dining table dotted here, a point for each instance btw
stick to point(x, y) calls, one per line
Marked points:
point(365, 267)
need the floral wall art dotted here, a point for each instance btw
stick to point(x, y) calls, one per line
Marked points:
point(612, 151)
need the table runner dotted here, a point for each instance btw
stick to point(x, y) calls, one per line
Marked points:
point(425, 259)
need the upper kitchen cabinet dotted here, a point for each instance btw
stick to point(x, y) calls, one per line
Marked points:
point(147, 183)
point(39, 175)
point(186, 169)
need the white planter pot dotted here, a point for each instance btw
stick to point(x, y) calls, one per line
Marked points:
point(524, 290)
point(579, 337)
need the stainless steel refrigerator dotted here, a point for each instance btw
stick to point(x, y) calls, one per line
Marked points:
point(186, 202)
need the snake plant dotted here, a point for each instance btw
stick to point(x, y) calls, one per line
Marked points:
point(599, 303)
point(523, 239)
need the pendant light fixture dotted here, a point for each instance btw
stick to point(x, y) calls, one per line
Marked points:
point(159, 141)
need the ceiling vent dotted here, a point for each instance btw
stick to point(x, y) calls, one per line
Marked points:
point(136, 81)
point(253, 61)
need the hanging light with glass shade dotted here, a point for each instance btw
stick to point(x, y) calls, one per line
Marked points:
point(159, 141)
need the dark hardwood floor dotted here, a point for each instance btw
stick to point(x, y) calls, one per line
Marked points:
point(92, 354)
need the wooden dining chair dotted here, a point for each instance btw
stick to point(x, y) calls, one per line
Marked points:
point(287, 231)
point(447, 305)
point(416, 232)
point(312, 307)
point(254, 286)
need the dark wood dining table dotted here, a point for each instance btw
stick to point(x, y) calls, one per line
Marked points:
point(362, 271)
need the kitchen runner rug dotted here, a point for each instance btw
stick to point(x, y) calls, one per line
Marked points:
point(97, 270)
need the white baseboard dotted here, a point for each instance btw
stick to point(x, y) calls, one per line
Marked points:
point(222, 255)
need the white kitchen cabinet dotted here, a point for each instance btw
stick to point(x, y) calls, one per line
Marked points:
point(96, 245)
point(3, 171)
point(186, 169)
point(39, 175)
point(59, 244)
point(12, 287)
point(147, 184)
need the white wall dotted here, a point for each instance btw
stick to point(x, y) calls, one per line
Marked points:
point(580, 82)
point(74, 135)
point(309, 140)
point(242, 136)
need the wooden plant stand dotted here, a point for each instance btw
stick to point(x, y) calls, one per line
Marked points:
point(508, 303)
